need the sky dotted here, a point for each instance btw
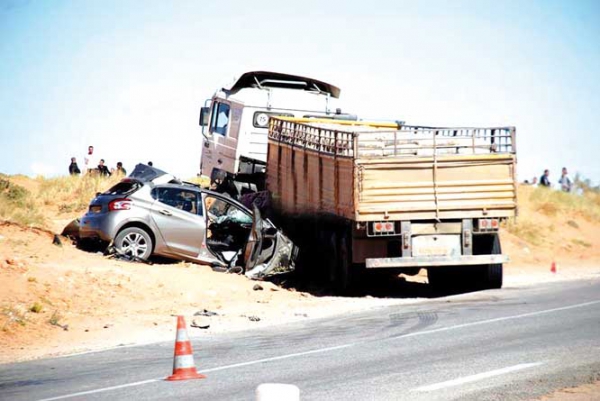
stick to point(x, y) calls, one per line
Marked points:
point(129, 77)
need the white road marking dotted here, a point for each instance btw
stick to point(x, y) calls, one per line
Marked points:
point(235, 365)
point(473, 378)
point(277, 358)
point(320, 350)
point(100, 390)
point(498, 319)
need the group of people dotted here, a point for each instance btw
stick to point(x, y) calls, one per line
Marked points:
point(94, 166)
point(566, 185)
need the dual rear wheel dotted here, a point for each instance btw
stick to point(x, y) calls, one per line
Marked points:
point(471, 277)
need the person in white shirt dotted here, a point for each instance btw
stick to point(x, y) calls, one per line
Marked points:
point(90, 161)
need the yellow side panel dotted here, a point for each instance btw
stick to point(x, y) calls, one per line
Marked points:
point(449, 188)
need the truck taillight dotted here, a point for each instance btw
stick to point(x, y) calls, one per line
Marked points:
point(488, 224)
point(381, 227)
point(120, 204)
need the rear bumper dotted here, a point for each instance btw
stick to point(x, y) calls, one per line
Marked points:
point(100, 226)
point(432, 261)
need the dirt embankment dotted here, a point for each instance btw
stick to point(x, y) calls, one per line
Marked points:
point(58, 299)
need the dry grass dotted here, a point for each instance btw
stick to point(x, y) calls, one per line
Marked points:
point(556, 203)
point(541, 209)
point(13, 314)
point(525, 229)
point(72, 193)
point(55, 195)
point(18, 205)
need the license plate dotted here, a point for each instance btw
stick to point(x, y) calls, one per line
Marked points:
point(436, 245)
point(96, 208)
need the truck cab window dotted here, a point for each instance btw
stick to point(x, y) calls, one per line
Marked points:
point(220, 118)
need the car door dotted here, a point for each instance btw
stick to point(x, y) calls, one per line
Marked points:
point(178, 216)
point(255, 239)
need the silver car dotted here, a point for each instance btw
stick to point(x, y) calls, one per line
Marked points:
point(153, 213)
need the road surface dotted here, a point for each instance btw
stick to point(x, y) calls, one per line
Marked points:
point(515, 343)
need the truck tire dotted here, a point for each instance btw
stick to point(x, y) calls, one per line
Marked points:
point(440, 278)
point(344, 279)
point(493, 272)
point(331, 250)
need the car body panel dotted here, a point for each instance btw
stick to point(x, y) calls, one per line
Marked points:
point(183, 232)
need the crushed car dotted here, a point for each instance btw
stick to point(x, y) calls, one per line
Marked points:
point(152, 212)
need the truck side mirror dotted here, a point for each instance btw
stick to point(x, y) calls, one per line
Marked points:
point(204, 116)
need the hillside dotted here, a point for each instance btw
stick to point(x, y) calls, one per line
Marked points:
point(58, 299)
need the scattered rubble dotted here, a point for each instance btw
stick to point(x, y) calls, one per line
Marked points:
point(199, 325)
point(206, 312)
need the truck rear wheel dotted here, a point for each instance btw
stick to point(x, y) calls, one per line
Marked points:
point(344, 274)
point(493, 272)
point(331, 250)
point(443, 278)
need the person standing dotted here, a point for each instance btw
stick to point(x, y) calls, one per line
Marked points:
point(103, 170)
point(120, 170)
point(73, 167)
point(91, 163)
point(544, 179)
point(565, 182)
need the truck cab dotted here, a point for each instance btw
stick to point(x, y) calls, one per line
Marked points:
point(235, 123)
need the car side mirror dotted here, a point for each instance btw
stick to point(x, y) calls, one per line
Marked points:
point(204, 116)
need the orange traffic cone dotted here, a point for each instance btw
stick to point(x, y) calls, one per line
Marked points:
point(183, 361)
point(553, 267)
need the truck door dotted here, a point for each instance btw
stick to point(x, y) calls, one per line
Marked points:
point(220, 149)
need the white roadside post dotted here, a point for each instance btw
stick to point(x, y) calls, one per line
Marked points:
point(277, 392)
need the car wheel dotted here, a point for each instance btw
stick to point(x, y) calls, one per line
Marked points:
point(134, 242)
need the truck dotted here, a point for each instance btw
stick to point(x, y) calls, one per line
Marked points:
point(356, 195)
point(235, 123)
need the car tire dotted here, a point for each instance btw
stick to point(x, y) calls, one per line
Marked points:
point(134, 242)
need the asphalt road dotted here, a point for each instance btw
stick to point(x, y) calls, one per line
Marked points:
point(515, 343)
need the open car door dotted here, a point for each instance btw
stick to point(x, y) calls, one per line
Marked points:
point(267, 251)
point(255, 240)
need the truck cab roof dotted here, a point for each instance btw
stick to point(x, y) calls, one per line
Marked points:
point(267, 79)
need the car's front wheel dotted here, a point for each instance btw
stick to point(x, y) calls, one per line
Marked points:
point(134, 242)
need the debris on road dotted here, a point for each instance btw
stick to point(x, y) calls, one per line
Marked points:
point(199, 325)
point(56, 240)
point(254, 318)
point(257, 287)
point(206, 312)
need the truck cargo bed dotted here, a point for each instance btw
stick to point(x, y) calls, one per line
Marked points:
point(373, 172)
